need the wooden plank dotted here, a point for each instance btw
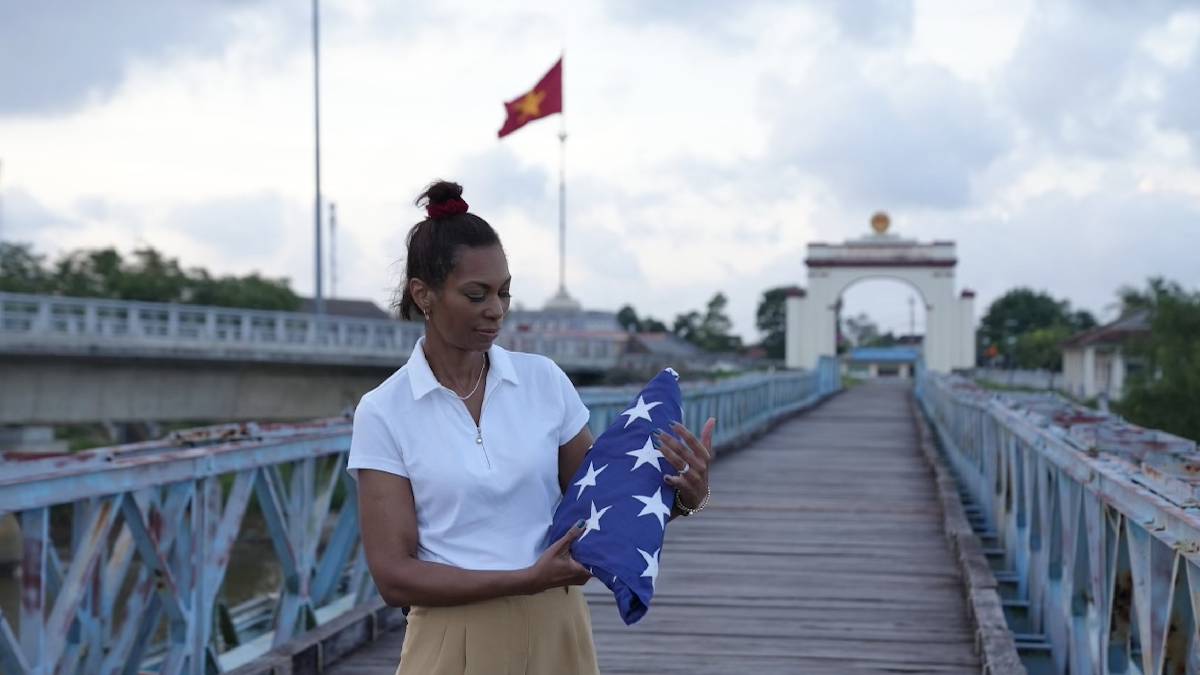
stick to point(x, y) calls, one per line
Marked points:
point(822, 552)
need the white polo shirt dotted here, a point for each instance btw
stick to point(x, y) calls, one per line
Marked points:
point(483, 505)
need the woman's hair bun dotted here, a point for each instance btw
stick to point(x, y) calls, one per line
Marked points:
point(439, 192)
point(442, 199)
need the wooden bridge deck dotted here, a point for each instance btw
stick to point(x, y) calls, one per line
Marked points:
point(821, 552)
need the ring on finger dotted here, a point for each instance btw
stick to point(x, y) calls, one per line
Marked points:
point(686, 468)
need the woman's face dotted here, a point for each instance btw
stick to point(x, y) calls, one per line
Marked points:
point(466, 312)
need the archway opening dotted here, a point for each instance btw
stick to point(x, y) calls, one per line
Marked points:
point(880, 327)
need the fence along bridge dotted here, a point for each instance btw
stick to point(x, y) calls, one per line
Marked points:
point(832, 545)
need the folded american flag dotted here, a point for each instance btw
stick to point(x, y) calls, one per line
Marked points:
point(619, 491)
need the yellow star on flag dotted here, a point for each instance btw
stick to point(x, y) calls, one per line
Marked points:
point(530, 105)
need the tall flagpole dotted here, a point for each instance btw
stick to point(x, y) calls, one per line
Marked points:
point(562, 161)
point(333, 261)
point(562, 205)
point(318, 298)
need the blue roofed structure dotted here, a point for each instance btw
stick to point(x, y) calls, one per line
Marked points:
point(880, 361)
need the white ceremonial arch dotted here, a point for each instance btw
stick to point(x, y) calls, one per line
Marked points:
point(812, 313)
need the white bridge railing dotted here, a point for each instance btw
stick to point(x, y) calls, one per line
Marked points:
point(38, 324)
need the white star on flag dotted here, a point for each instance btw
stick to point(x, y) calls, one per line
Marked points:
point(647, 455)
point(651, 566)
point(654, 506)
point(641, 411)
point(593, 521)
point(590, 479)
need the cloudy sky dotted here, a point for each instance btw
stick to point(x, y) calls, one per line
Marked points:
point(1057, 142)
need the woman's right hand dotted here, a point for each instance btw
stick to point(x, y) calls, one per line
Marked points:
point(555, 567)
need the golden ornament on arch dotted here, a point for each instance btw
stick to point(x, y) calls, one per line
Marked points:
point(880, 222)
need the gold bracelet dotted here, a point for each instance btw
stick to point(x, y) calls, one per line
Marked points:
point(703, 502)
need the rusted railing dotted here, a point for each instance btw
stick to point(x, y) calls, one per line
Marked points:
point(1092, 526)
point(125, 550)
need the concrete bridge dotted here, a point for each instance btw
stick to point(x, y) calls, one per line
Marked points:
point(946, 529)
point(83, 360)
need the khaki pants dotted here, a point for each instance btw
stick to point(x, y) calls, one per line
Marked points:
point(545, 634)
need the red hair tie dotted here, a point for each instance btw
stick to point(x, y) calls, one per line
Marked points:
point(450, 207)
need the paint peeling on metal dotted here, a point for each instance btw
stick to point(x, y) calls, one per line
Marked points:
point(1141, 493)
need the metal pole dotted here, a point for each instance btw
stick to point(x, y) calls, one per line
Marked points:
point(333, 278)
point(1, 200)
point(562, 207)
point(318, 299)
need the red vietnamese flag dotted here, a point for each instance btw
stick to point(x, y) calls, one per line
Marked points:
point(544, 99)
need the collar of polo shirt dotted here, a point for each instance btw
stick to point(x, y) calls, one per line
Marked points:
point(422, 380)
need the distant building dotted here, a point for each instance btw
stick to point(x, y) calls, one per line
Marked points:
point(560, 320)
point(880, 361)
point(1095, 361)
point(646, 353)
point(585, 343)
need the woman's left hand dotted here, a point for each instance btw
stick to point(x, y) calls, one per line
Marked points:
point(690, 457)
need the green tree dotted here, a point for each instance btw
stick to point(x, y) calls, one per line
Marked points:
point(716, 326)
point(1131, 298)
point(1040, 348)
point(1021, 311)
point(147, 276)
point(860, 330)
point(1080, 319)
point(887, 339)
point(687, 326)
point(251, 291)
point(153, 278)
point(649, 324)
point(709, 331)
point(771, 319)
point(1165, 392)
point(627, 318)
point(21, 270)
point(88, 274)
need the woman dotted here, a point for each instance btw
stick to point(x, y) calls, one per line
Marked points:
point(461, 457)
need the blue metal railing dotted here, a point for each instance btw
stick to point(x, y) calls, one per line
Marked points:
point(125, 550)
point(1091, 524)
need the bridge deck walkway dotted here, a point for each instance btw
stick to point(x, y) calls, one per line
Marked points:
point(822, 552)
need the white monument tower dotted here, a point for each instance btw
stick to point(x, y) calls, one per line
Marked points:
point(927, 267)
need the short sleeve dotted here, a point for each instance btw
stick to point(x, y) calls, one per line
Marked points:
point(575, 413)
point(372, 445)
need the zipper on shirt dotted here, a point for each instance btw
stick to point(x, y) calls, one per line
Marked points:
point(479, 442)
point(479, 427)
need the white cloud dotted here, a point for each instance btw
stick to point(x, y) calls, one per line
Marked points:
point(709, 142)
